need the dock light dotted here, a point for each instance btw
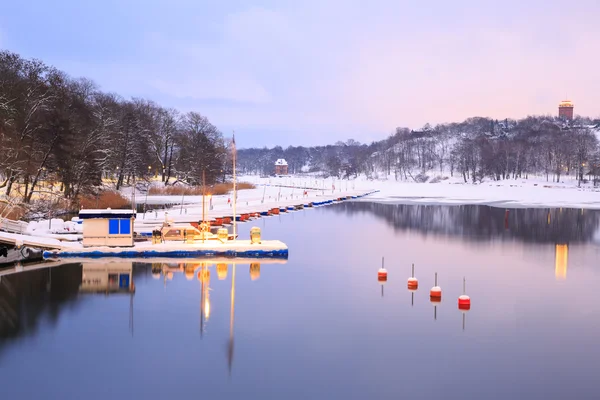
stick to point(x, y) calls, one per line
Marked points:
point(223, 234)
point(255, 235)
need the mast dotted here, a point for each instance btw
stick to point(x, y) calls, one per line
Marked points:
point(203, 205)
point(234, 188)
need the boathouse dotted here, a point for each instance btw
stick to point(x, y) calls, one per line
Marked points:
point(281, 167)
point(107, 227)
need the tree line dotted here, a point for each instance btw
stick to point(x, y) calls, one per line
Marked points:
point(55, 128)
point(475, 149)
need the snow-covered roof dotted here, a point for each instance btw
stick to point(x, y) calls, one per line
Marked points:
point(281, 161)
point(105, 213)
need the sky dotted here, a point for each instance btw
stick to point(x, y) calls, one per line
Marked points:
point(313, 72)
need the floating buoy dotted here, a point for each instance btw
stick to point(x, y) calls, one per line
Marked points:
point(464, 301)
point(413, 283)
point(435, 293)
point(382, 276)
point(382, 273)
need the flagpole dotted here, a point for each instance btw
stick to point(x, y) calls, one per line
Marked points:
point(203, 206)
point(234, 189)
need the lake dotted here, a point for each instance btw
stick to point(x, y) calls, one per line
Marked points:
point(321, 326)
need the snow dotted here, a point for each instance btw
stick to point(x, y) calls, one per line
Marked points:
point(104, 211)
point(263, 198)
point(520, 193)
point(57, 229)
point(169, 260)
point(29, 240)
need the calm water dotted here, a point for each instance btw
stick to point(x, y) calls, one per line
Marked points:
point(319, 327)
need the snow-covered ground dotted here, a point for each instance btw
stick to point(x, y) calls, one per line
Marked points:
point(511, 193)
point(281, 191)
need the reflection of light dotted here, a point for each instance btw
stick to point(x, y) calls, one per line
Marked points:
point(207, 306)
point(254, 271)
point(561, 259)
point(222, 271)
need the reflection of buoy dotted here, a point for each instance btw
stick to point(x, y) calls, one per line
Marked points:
point(382, 273)
point(413, 283)
point(435, 293)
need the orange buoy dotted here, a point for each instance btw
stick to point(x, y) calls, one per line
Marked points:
point(436, 292)
point(413, 283)
point(382, 276)
point(464, 301)
point(382, 273)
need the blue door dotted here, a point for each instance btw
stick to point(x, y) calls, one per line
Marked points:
point(124, 280)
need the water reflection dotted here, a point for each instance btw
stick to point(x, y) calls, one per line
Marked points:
point(561, 260)
point(99, 277)
point(41, 285)
point(564, 225)
point(28, 296)
point(293, 332)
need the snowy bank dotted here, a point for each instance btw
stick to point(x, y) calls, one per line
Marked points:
point(509, 193)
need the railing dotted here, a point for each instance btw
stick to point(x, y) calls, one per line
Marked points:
point(10, 226)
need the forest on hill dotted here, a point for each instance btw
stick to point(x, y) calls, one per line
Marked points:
point(66, 131)
point(476, 149)
point(55, 128)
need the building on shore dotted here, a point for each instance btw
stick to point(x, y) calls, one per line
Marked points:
point(108, 227)
point(565, 110)
point(281, 167)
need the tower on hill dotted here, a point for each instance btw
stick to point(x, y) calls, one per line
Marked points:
point(565, 110)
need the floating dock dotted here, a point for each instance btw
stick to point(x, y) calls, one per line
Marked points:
point(223, 215)
point(209, 249)
point(144, 224)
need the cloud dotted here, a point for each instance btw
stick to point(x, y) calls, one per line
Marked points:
point(230, 88)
